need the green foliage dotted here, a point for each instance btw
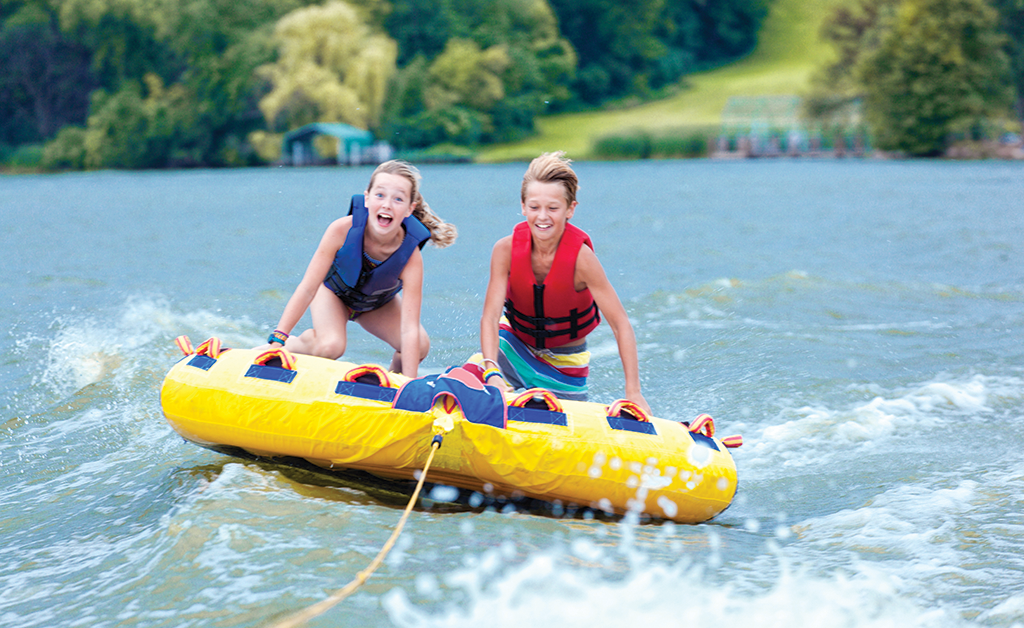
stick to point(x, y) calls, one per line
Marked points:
point(480, 68)
point(466, 75)
point(727, 28)
point(633, 47)
point(200, 29)
point(132, 129)
point(668, 144)
point(615, 41)
point(1011, 17)
point(156, 83)
point(331, 67)
point(24, 157)
point(925, 70)
point(46, 78)
point(684, 144)
point(939, 69)
point(624, 146)
point(208, 49)
point(66, 151)
point(854, 30)
point(122, 38)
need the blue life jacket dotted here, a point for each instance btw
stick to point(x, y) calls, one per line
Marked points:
point(479, 403)
point(362, 289)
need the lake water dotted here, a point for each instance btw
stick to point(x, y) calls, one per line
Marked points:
point(860, 323)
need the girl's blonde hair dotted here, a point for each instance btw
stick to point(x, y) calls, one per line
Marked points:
point(441, 233)
point(552, 168)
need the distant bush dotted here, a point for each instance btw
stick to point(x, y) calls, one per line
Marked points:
point(66, 151)
point(668, 144)
point(693, 143)
point(633, 145)
point(26, 156)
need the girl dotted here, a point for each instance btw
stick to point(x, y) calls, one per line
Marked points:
point(359, 267)
point(552, 288)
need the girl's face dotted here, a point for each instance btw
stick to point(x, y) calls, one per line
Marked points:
point(547, 210)
point(389, 202)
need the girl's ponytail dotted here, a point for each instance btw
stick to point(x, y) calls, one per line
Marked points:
point(441, 233)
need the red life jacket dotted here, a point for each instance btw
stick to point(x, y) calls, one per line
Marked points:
point(553, 313)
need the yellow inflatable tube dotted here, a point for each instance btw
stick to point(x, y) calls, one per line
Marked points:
point(337, 414)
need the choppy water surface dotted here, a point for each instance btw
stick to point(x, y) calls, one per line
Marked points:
point(860, 323)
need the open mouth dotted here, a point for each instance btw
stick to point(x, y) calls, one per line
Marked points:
point(384, 219)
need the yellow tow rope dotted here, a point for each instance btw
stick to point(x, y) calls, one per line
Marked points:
point(321, 607)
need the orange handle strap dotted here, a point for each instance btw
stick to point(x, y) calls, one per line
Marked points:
point(548, 397)
point(369, 369)
point(631, 408)
point(185, 345)
point(703, 424)
point(732, 442)
point(287, 359)
point(211, 348)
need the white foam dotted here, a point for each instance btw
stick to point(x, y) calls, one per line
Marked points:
point(908, 521)
point(85, 350)
point(935, 538)
point(552, 588)
point(1012, 608)
point(798, 432)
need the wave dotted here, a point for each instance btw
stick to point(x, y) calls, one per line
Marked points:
point(816, 435)
point(563, 587)
point(941, 536)
point(133, 340)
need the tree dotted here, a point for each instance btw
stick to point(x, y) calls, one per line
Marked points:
point(140, 126)
point(466, 75)
point(223, 42)
point(121, 36)
point(615, 41)
point(939, 69)
point(515, 41)
point(46, 78)
point(634, 46)
point(727, 28)
point(1011, 14)
point(332, 67)
point(855, 31)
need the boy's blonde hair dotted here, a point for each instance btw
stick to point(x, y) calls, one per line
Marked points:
point(441, 233)
point(552, 168)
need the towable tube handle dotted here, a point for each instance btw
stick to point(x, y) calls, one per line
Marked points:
point(211, 347)
point(705, 425)
point(548, 397)
point(287, 359)
point(185, 345)
point(632, 409)
point(732, 442)
point(369, 369)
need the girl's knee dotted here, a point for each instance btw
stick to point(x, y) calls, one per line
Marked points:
point(332, 348)
point(424, 344)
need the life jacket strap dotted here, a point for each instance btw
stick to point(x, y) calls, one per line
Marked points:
point(539, 327)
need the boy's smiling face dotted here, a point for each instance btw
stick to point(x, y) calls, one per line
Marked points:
point(547, 210)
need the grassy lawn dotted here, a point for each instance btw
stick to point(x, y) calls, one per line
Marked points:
point(786, 56)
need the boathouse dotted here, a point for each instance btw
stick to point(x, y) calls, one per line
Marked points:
point(354, 146)
point(774, 126)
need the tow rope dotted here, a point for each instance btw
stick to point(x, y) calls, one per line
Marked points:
point(321, 607)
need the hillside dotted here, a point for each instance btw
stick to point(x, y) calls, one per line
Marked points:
point(786, 56)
